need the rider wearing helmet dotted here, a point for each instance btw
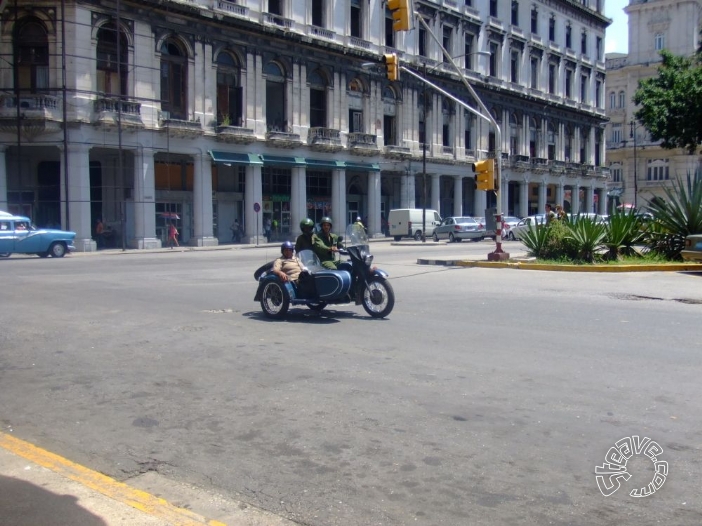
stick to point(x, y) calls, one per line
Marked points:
point(305, 241)
point(326, 244)
point(287, 267)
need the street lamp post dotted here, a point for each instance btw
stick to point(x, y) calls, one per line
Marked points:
point(632, 135)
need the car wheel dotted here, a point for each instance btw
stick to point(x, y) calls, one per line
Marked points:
point(510, 236)
point(452, 239)
point(378, 298)
point(476, 239)
point(418, 235)
point(397, 238)
point(275, 301)
point(436, 237)
point(57, 250)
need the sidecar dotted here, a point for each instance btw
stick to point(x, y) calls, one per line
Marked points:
point(316, 287)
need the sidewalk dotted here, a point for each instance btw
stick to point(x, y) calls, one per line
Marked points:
point(39, 488)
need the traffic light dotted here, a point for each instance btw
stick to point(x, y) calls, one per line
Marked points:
point(392, 65)
point(484, 174)
point(402, 14)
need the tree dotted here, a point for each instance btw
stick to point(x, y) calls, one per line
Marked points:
point(671, 103)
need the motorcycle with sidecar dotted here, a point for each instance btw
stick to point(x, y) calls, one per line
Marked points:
point(355, 281)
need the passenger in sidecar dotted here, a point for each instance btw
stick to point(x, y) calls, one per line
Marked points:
point(316, 286)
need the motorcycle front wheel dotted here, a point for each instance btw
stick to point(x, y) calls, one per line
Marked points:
point(378, 298)
point(274, 300)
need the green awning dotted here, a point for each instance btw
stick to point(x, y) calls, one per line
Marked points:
point(277, 160)
point(235, 158)
point(318, 163)
point(362, 167)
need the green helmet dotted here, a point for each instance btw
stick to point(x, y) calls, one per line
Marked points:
point(325, 219)
point(306, 225)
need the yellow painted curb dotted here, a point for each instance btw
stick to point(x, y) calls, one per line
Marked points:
point(682, 267)
point(109, 487)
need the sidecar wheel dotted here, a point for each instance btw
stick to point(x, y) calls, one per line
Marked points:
point(317, 307)
point(378, 298)
point(275, 301)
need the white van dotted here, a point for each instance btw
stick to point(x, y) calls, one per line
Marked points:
point(407, 222)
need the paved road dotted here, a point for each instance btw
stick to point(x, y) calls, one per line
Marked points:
point(488, 397)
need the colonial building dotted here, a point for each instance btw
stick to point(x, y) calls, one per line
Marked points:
point(199, 112)
point(640, 168)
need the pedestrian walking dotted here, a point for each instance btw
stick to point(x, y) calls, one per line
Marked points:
point(172, 236)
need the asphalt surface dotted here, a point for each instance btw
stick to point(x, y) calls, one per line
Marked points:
point(39, 487)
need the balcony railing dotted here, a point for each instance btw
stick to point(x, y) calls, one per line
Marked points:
point(232, 8)
point(111, 111)
point(324, 139)
point(363, 143)
point(37, 113)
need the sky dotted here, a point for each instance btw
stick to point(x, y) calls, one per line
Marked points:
point(617, 36)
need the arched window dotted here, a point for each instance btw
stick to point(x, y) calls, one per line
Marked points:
point(112, 65)
point(174, 79)
point(389, 117)
point(469, 133)
point(659, 41)
point(514, 130)
point(612, 100)
point(355, 101)
point(276, 119)
point(318, 99)
point(533, 138)
point(447, 111)
point(622, 99)
point(32, 56)
point(229, 91)
point(551, 137)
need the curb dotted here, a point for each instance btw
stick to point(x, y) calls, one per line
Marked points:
point(518, 265)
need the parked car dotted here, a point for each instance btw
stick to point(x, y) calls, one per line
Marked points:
point(19, 236)
point(459, 228)
point(488, 233)
point(508, 222)
point(528, 222)
point(693, 248)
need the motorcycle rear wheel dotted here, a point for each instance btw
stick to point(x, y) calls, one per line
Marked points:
point(275, 301)
point(378, 298)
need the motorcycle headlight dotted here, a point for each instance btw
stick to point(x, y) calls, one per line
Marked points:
point(368, 259)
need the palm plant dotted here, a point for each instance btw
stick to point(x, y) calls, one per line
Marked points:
point(536, 239)
point(588, 235)
point(622, 232)
point(675, 217)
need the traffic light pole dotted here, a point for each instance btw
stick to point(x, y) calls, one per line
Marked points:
point(498, 254)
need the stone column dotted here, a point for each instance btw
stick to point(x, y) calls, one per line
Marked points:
point(298, 197)
point(144, 203)
point(589, 199)
point(542, 197)
point(407, 191)
point(253, 222)
point(575, 199)
point(524, 198)
point(339, 200)
point(479, 202)
point(374, 226)
point(77, 175)
point(458, 195)
point(3, 178)
point(202, 202)
point(559, 192)
point(436, 192)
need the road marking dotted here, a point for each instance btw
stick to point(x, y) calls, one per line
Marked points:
point(108, 486)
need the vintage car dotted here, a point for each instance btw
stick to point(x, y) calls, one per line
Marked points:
point(19, 236)
point(693, 248)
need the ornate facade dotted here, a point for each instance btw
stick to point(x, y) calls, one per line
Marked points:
point(196, 111)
